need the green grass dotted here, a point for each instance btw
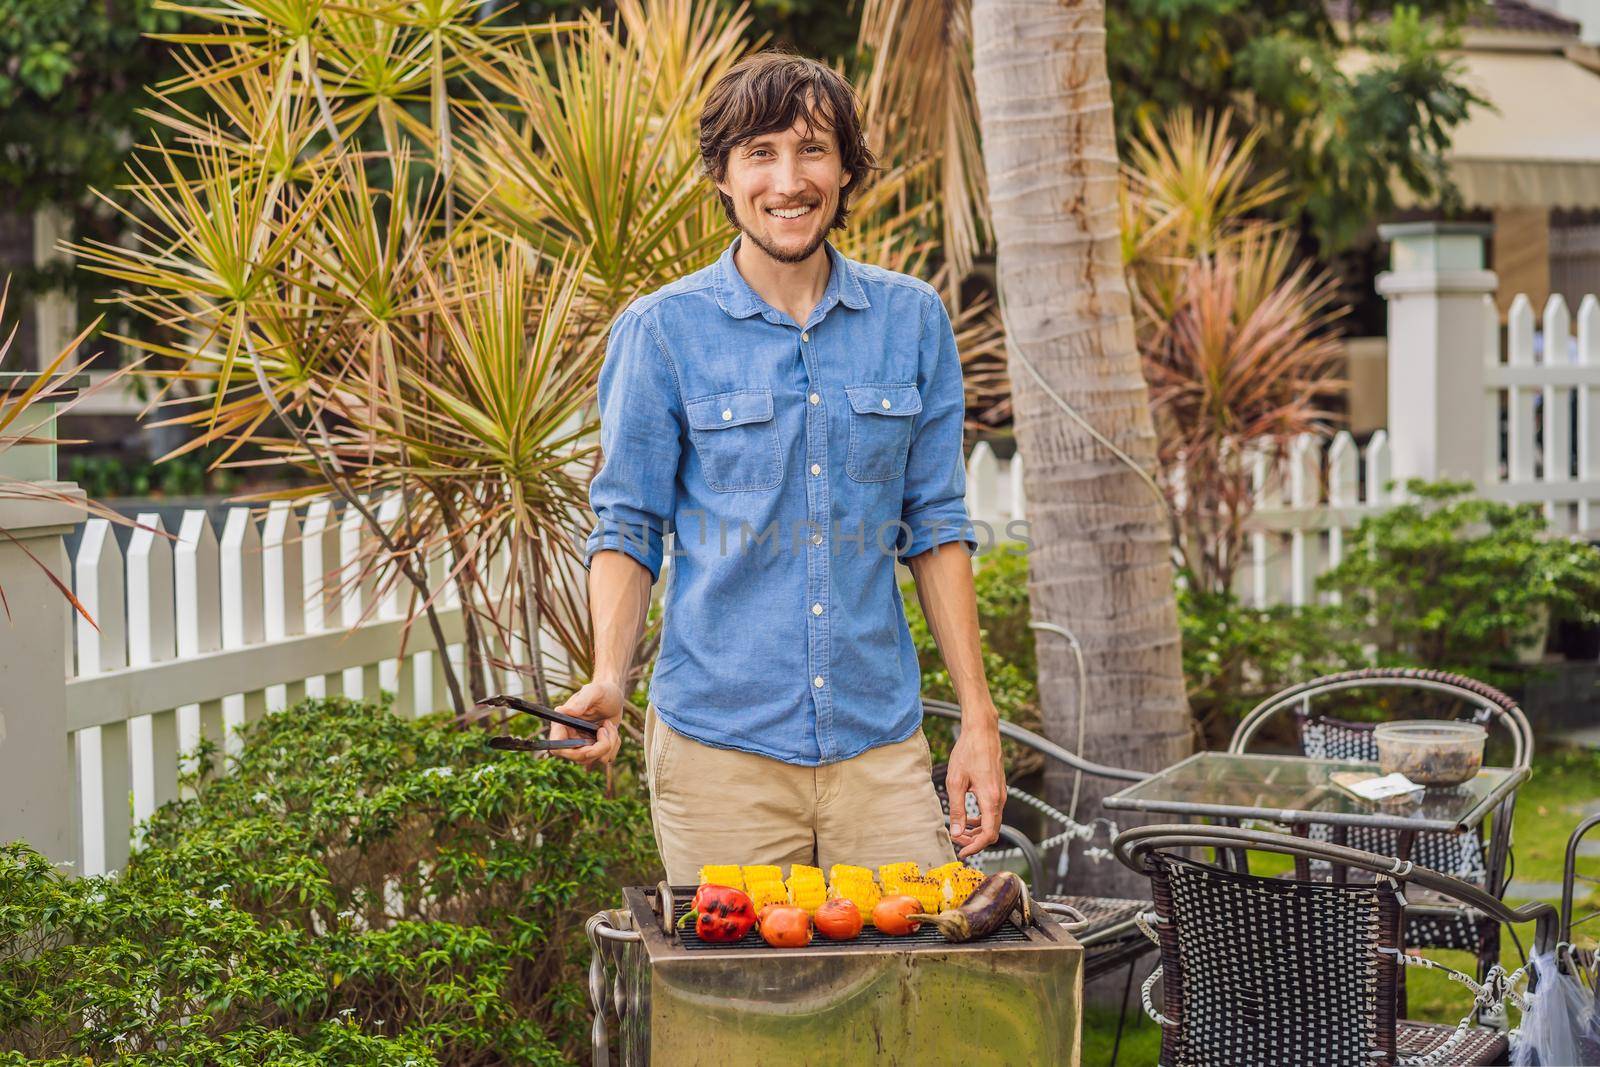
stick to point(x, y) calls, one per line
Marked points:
point(1553, 801)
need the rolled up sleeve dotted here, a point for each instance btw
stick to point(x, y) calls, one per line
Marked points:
point(632, 496)
point(934, 507)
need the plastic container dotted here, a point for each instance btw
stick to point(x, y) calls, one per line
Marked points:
point(1431, 752)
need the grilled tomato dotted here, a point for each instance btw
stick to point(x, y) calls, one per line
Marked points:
point(838, 920)
point(786, 926)
point(890, 915)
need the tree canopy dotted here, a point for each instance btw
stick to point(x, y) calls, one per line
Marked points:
point(1340, 132)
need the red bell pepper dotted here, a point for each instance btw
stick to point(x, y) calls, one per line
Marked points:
point(720, 913)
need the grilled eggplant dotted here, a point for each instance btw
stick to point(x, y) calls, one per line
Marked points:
point(996, 897)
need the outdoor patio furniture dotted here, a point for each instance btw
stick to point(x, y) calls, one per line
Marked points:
point(1112, 938)
point(1480, 853)
point(1284, 972)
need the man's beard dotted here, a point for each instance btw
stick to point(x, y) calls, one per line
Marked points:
point(779, 254)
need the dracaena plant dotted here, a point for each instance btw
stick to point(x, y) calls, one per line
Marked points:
point(1237, 336)
point(382, 243)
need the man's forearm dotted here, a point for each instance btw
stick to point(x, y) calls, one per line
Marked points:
point(949, 602)
point(619, 599)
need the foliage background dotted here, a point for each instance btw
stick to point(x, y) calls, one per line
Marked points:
point(360, 889)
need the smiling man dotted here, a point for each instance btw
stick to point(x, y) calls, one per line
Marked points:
point(794, 417)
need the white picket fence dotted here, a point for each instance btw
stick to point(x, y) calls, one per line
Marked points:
point(1538, 421)
point(199, 635)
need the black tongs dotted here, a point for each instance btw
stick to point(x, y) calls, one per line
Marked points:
point(508, 743)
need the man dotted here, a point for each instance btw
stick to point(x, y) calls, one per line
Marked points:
point(795, 418)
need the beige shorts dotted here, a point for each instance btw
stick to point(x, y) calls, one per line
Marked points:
point(717, 805)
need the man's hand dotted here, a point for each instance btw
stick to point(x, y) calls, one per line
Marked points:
point(976, 767)
point(599, 702)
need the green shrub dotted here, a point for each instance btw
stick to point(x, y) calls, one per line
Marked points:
point(1235, 656)
point(1459, 583)
point(361, 889)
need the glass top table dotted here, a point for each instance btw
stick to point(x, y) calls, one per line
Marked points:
point(1298, 791)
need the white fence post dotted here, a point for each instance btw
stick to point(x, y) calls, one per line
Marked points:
point(1435, 291)
point(1588, 406)
point(104, 769)
point(199, 611)
point(319, 572)
point(241, 615)
point(282, 592)
point(153, 738)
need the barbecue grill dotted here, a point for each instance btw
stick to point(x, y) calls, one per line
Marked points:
point(1012, 997)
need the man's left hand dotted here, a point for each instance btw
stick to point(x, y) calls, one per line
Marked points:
point(976, 767)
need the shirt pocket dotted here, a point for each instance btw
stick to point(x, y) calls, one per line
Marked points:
point(881, 420)
point(736, 439)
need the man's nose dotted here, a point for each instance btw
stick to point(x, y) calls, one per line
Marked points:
point(788, 181)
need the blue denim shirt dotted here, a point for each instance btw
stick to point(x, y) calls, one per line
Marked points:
point(794, 464)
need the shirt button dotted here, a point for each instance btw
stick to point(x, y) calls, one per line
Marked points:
point(886, 405)
point(805, 337)
point(816, 609)
point(815, 399)
point(817, 681)
point(728, 414)
point(816, 468)
point(816, 539)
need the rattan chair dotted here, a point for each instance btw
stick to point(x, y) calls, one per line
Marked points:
point(1112, 938)
point(1481, 856)
point(1279, 973)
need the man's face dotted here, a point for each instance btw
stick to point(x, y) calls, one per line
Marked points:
point(793, 169)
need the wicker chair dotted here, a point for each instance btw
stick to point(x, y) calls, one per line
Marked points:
point(1112, 938)
point(1430, 923)
point(1285, 972)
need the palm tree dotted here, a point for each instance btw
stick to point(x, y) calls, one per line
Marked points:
point(1101, 564)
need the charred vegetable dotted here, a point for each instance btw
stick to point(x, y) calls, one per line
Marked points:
point(996, 897)
point(720, 913)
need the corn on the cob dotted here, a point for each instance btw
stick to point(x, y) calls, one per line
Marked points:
point(892, 872)
point(767, 892)
point(722, 874)
point(761, 872)
point(928, 891)
point(958, 885)
point(859, 889)
point(806, 887)
point(848, 870)
point(945, 869)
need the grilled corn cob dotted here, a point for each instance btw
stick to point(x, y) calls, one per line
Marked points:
point(761, 872)
point(958, 885)
point(722, 874)
point(859, 889)
point(767, 892)
point(848, 870)
point(891, 873)
point(928, 891)
point(806, 887)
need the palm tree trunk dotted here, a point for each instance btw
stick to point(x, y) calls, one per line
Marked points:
point(1100, 563)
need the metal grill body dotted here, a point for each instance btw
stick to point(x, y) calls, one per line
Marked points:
point(1010, 998)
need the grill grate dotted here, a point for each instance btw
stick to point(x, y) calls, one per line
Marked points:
point(925, 936)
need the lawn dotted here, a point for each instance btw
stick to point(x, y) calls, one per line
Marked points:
point(1565, 786)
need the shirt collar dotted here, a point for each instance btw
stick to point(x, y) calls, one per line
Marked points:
point(735, 296)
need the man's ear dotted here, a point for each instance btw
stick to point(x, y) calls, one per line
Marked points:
point(846, 181)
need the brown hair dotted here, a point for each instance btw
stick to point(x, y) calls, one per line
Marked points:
point(769, 92)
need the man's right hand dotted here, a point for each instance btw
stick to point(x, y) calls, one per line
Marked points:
point(600, 703)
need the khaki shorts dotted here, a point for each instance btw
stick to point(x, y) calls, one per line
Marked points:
point(716, 805)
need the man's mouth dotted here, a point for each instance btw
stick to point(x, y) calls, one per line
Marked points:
point(790, 213)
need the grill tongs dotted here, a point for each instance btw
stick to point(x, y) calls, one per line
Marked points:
point(510, 743)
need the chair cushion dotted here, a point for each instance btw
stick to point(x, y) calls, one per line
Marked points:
point(1481, 1045)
